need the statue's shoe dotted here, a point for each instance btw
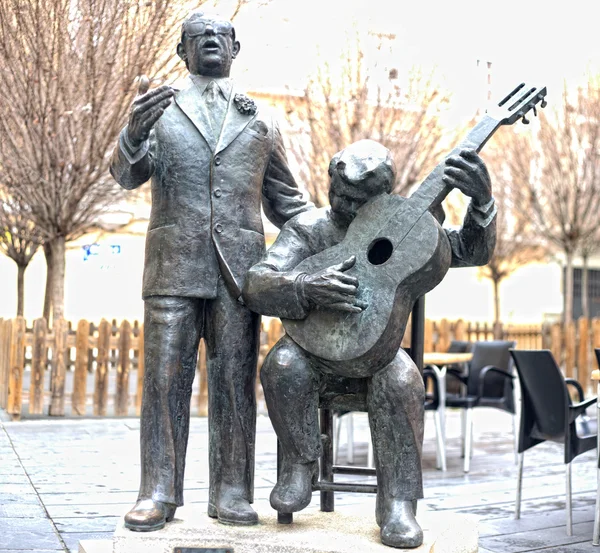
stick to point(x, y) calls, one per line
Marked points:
point(399, 527)
point(233, 510)
point(378, 515)
point(293, 490)
point(148, 515)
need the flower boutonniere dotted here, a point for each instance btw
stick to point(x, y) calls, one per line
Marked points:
point(244, 104)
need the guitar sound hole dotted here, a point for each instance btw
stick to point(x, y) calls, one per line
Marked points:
point(380, 251)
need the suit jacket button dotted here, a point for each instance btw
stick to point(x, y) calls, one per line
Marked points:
point(219, 228)
point(217, 193)
point(217, 160)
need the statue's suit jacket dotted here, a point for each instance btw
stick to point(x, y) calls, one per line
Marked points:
point(206, 195)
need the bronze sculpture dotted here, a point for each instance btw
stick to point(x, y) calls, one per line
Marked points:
point(290, 374)
point(344, 280)
point(212, 161)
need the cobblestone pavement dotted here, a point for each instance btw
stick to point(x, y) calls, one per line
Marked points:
point(62, 481)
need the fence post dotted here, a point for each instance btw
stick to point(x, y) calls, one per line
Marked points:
point(59, 368)
point(556, 342)
point(101, 382)
point(583, 358)
point(570, 348)
point(459, 330)
point(428, 342)
point(82, 339)
point(39, 360)
point(444, 336)
point(5, 336)
point(140, 372)
point(16, 368)
point(203, 375)
point(122, 394)
point(498, 332)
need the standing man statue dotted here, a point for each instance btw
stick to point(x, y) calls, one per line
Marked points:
point(291, 376)
point(212, 161)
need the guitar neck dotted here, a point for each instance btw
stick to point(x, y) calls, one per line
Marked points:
point(433, 190)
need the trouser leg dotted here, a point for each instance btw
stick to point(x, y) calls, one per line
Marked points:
point(232, 341)
point(395, 402)
point(291, 394)
point(172, 327)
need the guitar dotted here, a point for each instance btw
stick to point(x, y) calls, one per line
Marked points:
point(401, 254)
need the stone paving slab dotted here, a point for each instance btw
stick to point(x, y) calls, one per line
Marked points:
point(82, 475)
point(28, 533)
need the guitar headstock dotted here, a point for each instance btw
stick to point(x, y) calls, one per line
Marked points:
point(517, 104)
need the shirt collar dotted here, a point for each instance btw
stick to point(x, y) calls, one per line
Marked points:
point(225, 85)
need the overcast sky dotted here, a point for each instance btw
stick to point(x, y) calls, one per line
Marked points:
point(539, 42)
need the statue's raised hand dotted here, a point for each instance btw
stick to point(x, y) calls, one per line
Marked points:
point(467, 172)
point(146, 110)
point(334, 289)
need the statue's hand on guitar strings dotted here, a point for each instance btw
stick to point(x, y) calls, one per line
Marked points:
point(333, 289)
point(467, 172)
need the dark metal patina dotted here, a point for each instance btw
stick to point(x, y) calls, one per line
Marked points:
point(213, 161)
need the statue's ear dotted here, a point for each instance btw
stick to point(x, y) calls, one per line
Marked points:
point(181, 52)
point(236, 49)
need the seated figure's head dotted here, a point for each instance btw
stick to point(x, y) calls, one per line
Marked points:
point(359, 172)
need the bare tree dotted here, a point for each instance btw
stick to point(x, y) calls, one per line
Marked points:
point(19, 239)
point(517, 240)
point(341, 107)
point(242, 4)
point(67, 71)
point(560, 170)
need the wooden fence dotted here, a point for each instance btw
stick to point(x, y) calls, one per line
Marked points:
point(97, 370)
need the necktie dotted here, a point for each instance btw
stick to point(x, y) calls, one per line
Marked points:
point(215, 106)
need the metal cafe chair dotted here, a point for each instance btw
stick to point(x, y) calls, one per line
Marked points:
point(434, 399)
point(547, 414)
point(489, 383)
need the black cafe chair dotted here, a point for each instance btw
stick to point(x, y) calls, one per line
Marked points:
point(488, 383)
point(548, 414)
point(457, 346)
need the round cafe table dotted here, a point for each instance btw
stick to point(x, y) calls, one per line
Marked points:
point(441, 359)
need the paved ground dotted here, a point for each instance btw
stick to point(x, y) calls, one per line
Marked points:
point(62, 481)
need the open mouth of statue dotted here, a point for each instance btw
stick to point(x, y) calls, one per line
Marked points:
point(210, 46)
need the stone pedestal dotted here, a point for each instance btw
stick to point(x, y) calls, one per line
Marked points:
point(315, 532)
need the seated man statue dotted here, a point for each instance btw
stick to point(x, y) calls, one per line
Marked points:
point(290, 375)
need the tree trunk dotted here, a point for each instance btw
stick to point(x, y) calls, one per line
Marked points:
point(497, 327)
point(20, 289)
point(585, 298)
point(57, 296)
point(568, 312)
point(48, 292)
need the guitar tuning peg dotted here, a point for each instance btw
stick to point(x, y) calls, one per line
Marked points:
point(544, 103)
point(525, 120)
point(534, 110)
